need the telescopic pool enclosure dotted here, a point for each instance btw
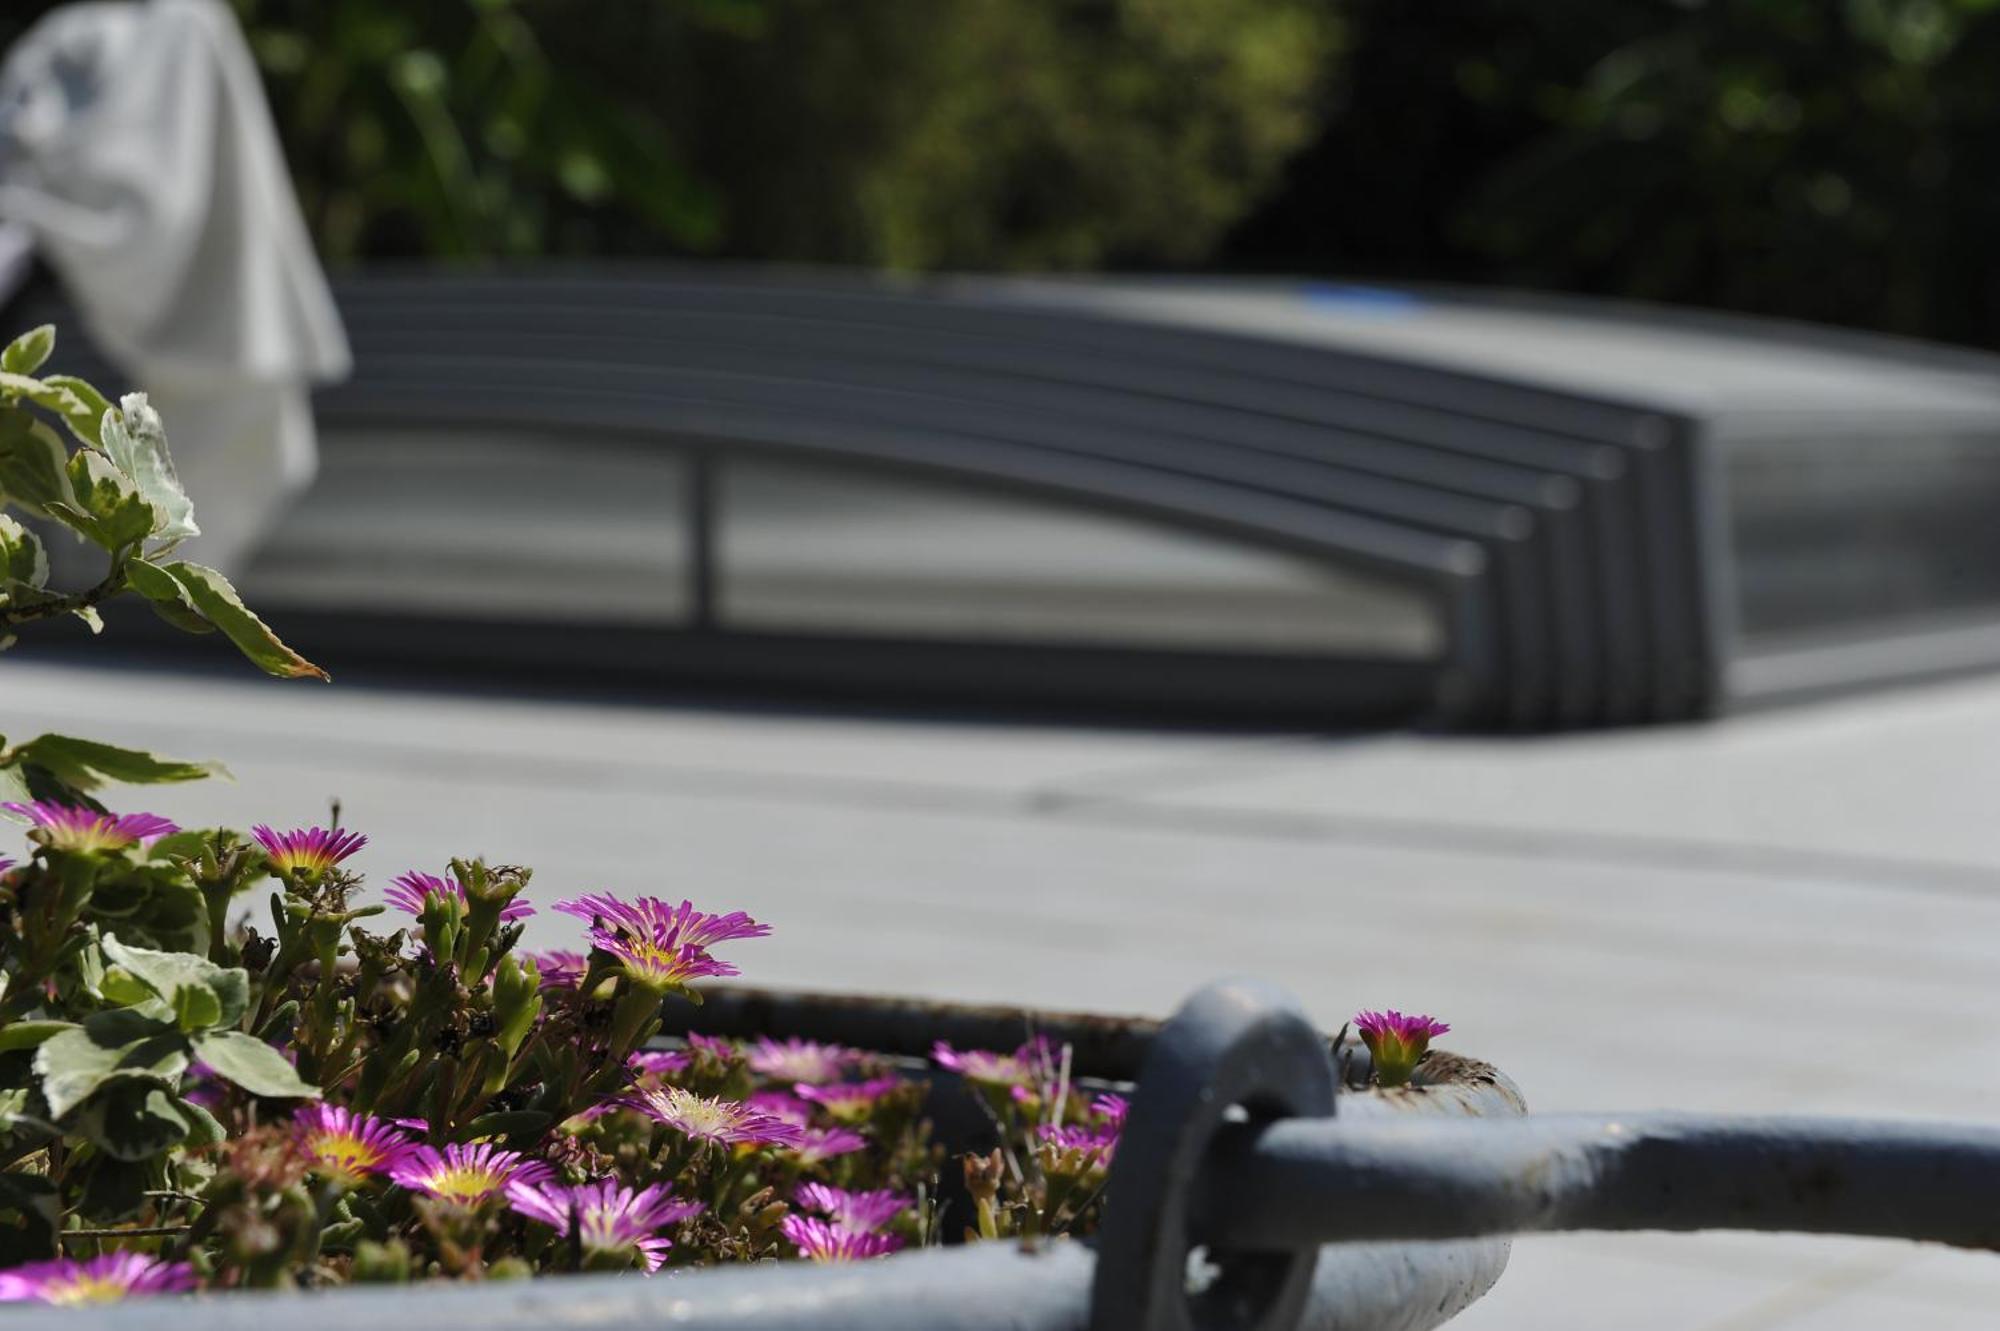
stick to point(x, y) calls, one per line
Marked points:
point(1228, 499)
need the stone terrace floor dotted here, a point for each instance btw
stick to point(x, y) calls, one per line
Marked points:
point(1797, 911)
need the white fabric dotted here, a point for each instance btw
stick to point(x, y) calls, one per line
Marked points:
point(136, 146)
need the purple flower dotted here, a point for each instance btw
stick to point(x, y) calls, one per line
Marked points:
point(346, 1146)
point(824, 1242)
point(818, 1145)
point(848, 1100)
point(307, 852)
point(1022, 1068)
point(560, 969)
point(409, 892)
point(1095, 1142)
point(651, 915)
point(1112, 1109)
point(717, 1048)
point(5, 864)
point(106, 1279)
point(862, 1212)
point(1396, 1042)
point(659, 1062)
point(709, 1118)
point(604, 1216)
point(779, 1105)
point(65, 827)
point(796, 1060)
point(466, 1175)
point(660, 946)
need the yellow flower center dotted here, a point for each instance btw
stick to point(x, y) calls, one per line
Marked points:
point(464, 1183)
point(86, 1289)
point(344, 1157)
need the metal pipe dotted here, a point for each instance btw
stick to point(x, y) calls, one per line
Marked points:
point(1301, 1182)
point(981, 1287)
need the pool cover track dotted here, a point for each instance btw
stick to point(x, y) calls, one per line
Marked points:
point(1472, 512)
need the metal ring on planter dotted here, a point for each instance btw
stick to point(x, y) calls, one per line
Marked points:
point(1237, 1043)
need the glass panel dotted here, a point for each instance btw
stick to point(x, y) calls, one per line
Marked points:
point(805, 548)
point(1866, 530)
point(485, 524)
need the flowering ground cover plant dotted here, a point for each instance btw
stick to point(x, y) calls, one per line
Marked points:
point(342, 1092)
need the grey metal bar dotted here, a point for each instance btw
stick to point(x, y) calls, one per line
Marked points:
point(984, 1287)
point(1302, 1182)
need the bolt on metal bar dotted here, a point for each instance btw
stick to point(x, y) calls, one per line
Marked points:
point(1301, 1182)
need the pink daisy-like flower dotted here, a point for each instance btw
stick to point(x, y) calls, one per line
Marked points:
point(1111, 1108)
point(848, 1100)
point(5, 864)
point(1025, 1067)
point(106, 1279)
point(1097, 1139)
point(659, 1062)
point(715, 1046)
point(661, 946)
point(650, 916)
point(604, 1216)
point(307, 851)
point(1396, 1042)
point(818, 1145)
point(409, 892)
point(824, 1242)
point(65, 827)
point(862, 1212)
point(709, 1118)
point(796, 1060)
point(346, 1146)
point(560, 969)
point(779, 1105)
point(466, 1175)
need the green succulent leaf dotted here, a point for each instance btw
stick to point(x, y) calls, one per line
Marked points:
point(252, 1064)
point(32, 464)
point(109, 508)
point(133, 1120)
point(87, 764)
point(216, 601)
point(167, 973)
point(27, 1034)
point(196, 1009)
point(26, 353)
point(135, 441)
point(203, 1128)
point(509, 1123)
point(168, 599)
point(23, 561)
point(122, 1044)
point(86, 414)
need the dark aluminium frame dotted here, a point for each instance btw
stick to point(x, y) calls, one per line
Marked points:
point(1576, 547)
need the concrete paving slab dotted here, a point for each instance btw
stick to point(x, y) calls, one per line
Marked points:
point(582, 743)
point(1056, 867)
point(1896, 783)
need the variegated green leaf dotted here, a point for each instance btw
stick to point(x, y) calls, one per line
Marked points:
point(136, 443)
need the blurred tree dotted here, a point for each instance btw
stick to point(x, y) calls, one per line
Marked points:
point(1822, 159)
point(905, 133)
point(484, 128)
point(997, 133)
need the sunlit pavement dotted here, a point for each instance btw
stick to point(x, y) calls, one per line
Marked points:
point(1797, 911)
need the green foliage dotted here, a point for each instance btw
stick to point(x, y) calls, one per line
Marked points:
point(117, 490)
point(977, 133)
point(1001, 135)
point(1818, 161)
